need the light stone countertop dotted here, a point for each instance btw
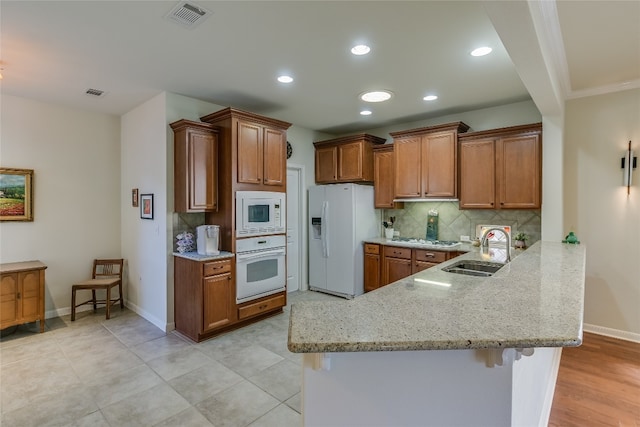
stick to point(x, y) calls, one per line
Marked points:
point(462, 247)
point(536, 300)
point(195, 256)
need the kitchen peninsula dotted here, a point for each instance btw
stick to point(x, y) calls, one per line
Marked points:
point(439, 348)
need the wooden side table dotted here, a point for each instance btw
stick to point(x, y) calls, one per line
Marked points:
point(22, 293)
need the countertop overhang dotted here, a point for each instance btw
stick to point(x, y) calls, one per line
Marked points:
point(536, 300)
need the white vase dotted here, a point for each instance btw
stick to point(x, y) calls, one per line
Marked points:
point(388, 233)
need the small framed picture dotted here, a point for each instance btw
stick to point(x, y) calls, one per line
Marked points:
point(134, 197)
point(146, 206)
point(16, 194)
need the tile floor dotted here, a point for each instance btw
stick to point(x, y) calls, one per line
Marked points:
point(127, 372)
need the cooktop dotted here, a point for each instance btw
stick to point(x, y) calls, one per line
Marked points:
point(430, 243)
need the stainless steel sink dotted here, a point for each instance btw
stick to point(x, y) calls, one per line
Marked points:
point(474, 268)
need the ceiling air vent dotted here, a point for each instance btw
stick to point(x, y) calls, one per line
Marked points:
point(188, 14)
point(95, 92)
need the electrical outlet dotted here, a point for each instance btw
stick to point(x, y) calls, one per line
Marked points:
point(465, 239)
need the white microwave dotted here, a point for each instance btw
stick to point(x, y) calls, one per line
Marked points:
point(259, 213)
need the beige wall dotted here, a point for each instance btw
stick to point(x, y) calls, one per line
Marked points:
point(597, 208)
point(75, 156)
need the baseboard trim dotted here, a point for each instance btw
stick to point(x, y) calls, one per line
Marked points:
point(148, 316)
point(613, 333)
point(64, 311)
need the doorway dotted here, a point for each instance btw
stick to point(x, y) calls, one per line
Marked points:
point(295, 227)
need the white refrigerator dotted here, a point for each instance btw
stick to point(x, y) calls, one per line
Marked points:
point(341, 216)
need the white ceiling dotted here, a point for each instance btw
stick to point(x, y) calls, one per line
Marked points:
point(55, 50)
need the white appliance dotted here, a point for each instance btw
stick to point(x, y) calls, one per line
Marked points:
point(260, 213)
point(341, 216)
point(208, 239)
point(260, 267)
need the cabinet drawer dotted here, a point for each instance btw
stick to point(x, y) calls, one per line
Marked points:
point(396, 252)
point(430, 256)
point(371, 249)
point(213, 268)
point(253, 309)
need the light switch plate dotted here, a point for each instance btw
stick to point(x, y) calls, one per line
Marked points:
point(465, 239)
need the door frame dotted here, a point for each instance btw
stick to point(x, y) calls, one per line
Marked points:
point(302, 224)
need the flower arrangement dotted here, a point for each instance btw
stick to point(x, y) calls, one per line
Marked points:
point(520, 240)
point(184, 242)
point(521, 236)
point(389, 224)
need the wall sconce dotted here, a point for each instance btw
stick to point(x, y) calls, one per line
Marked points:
point(629, 163)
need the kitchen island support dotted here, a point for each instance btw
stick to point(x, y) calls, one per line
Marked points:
point(429, 388)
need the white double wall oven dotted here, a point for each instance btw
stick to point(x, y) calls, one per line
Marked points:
point(261, 246)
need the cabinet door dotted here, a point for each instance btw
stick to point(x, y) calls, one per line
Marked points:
point(408, 167)
point(421, 265)
point(350, 157)
point(326, 164)
point(249, 153)
point(217, 295)
point(202, 171)
point(518, 168)
point(371, 272)
point(477, 174)
point(274, 157)
point(439, 165)
point(383, 179)
point(29, 298)
point(8, 298)
point(395, 269)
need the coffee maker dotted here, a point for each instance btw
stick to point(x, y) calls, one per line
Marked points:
point(208, 239)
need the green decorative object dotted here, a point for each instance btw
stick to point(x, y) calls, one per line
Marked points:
point(571, 238)
point(432, 225)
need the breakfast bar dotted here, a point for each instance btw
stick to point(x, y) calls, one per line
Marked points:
point(440, 348)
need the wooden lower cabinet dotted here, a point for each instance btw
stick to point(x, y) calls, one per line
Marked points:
point(371, 267)
point(204, 296)
point(396, 264)
point(22, 293)
point(205, 299)
point(384, 264)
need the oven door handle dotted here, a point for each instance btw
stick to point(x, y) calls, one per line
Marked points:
point(261, 254)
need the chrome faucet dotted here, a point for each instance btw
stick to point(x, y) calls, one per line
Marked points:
point(485, 240)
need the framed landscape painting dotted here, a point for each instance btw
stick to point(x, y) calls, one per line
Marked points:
point(16, 194)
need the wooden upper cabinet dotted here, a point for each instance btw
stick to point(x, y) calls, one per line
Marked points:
point(408, 167)
point(250, 148)
point(501, 168)
point(346, 159)
point(252, 151)
point(326, 164)
point(426, 161)
point(477, 174)
point(519, 171)
point(384, 177)
point(195, 166)
point(274, 157)
point(261, 154)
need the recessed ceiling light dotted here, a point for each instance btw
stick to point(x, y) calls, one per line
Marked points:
point(481, 51)
point(430, 98)
point(285, 79)
point(376, 96)
point(365, 113)
point(360, 49)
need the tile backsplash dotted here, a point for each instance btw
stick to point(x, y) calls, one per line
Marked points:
point(186, 222)
point(453, 222)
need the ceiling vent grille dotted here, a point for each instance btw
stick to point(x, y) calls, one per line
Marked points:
point(188, 14)
point(95, 92)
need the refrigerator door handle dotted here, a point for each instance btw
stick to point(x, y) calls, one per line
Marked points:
point(323, 229)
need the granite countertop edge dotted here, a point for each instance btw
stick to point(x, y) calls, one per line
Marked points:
point(536, 300)
point(194, 256)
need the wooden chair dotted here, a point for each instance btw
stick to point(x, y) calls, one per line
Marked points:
point(107, 274)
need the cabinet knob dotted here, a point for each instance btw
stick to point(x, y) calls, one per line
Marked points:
point(430, 255)
point(18, 296)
